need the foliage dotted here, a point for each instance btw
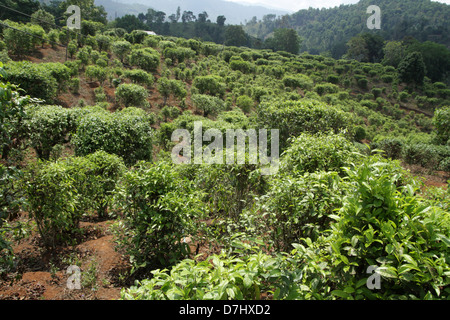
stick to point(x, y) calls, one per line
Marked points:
point(131, 95)
point(210, 84)
point(146, 59)
point(219, 277)
point(381, 223)
point(52, 201)
point(127, 133)
point(13, 133)
point(320, 152)
point(48, 126)
point(167, 87)
point(412, 68)
point(208, 104)
point(35, 79)
point(95, 178)
point(441, 121)
point(159, 209)
point(295, 117)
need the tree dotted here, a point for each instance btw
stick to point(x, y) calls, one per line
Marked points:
point(236, 36)
point(284, 40)
point(412, 69)
point(365, 47)
point(394, 52)
point(129, 23)
point(202, 17)
point(43, 18)
point(188, 16)
point(221, 21)
point(88, 8)
point(436, 58)
point(26, 6)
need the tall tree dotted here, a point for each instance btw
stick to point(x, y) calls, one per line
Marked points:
point(221, 20)
point(236, 36)
point(412, 69)
point(284, 40)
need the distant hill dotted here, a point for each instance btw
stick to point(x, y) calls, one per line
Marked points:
point(234, 12)
point(329, 30)
point(119, 9)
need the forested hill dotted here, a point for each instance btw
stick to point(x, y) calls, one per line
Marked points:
point(325, 30)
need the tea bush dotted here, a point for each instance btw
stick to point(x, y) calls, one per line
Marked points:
point(220, 277)
point(52, 202)
point(47, 127)
point(159, 211)
point(35, 79)
point(131, 95)
point(147, 59)
point(309, 153)
point(126, 134)
point(381, 223)
point(295, 117)
point(300, 206)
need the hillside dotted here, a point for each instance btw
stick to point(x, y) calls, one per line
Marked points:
point(234, 12)
point(91, 179)
point(328, 30)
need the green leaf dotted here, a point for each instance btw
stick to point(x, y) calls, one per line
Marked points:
point(387, 272)
point(340, 294)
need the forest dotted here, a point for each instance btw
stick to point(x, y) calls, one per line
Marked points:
point(88, 182)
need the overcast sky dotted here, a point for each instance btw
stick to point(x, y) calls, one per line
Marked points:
point(295, 5)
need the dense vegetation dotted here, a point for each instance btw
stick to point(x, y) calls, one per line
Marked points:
point(328, 30)
point(340, 202)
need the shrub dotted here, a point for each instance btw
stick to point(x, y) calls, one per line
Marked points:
point(121, 49)
point(245, 103)
point(441, 121)
point(298, 81)
point(127, 133)
point(387, 78)
point(95, 179)
point(326, 88)
point(319, 152)
point(167, 87)
point(208, 104)
point(362, 83)
point(210, 84)
point(380, 224)
point(295, 117)
point(300, 207)
point(243, 66)
point(158, 211)
point(333, 79)
point(52, 201)
point(47, 127)
point(392, 147)
point(23, 38)
point(35, 79)
point(139, 76)
point(147, 59)
point(219, 277)
point(97, 73)
point(131, 95)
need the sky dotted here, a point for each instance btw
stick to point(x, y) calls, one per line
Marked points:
point(295, 5)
